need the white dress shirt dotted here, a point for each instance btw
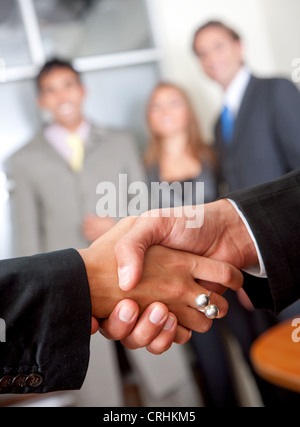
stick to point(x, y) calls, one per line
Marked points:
point(259, 269)
point(56, 135)
point(234, 94)
point(233, 97)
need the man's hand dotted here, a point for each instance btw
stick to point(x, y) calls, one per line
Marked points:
point(223, 236)
point(169, 277)
point(125, 325)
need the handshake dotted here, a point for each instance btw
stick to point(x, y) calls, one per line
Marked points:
point(153, 280)
point(148, 282)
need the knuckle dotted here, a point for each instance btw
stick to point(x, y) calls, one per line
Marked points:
point(119, 247)
point(205, 325)
point(135, 340)
point(139, 339)
point(159, 345)
point(239, 281)
point(178, 290)
point(183, 335)
point(127, 343)
point(226, 273)
point(223, 307)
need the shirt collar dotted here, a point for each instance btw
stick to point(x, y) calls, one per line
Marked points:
point(56, 135)
point(234, 93)
point(61, 132)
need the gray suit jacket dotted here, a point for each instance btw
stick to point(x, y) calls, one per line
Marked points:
point(49, 201)
point(48, 205)
point(265, 144)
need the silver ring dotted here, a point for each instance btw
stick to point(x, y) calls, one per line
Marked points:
point(202, 302)
point(211, 311)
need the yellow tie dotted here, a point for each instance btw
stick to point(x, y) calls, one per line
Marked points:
point(77, 147)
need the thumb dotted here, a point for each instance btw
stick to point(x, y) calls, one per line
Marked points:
point(131, 249)
point(130, 255)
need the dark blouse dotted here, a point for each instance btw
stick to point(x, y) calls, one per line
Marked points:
point(198, 190)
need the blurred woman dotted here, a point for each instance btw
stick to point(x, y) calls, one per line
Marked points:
point(177, 151)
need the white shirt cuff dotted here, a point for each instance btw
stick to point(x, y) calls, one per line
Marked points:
point(259, 269)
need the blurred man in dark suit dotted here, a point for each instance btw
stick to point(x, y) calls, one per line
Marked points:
point(257, 133)
point(256, 139)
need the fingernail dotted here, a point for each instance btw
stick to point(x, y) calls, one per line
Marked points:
point(126, 314)
point(124, 276)
point(157, 315)
point(169, 323)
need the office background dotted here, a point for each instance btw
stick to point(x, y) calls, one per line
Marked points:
point(123, 48)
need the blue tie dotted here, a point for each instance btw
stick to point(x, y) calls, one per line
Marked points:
point(227, 121)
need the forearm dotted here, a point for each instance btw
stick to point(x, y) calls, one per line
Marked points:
point(101, 271)
point(272, 211)
point(45, 303)
point(231, 241)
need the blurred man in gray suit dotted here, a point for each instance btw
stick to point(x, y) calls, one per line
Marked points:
point(53, 182)
point(257, 140)
point(54, 177)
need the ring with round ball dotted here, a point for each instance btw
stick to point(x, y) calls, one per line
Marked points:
point(211, 311)
point(202, 301)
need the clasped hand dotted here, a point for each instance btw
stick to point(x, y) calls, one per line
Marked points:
point(161, 308)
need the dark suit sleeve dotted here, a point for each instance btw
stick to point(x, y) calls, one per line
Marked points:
point(45, 304)
point(273, 213)
point(286, 123)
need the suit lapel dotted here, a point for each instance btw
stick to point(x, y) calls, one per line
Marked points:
point(245, 110)
point(50, 152)
point(93, 142)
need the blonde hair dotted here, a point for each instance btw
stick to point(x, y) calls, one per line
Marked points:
point(195, 142)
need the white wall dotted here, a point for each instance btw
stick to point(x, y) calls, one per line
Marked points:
point(268, 27)
point(282, 18)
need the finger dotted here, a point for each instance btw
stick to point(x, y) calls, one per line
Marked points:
point(214, 299)
point(212, 287)
point(130, 250)
point(184, 294)
point(148, 326)
point(121, 321)
point(193, 319)
point(216, 271)
point(94, 326)
point(183, 335)
point(165, 338)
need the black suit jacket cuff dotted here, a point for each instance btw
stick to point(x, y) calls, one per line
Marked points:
point(45, 302)
point(272, 211)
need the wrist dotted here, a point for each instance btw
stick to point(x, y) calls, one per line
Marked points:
point(101, 267)
point(235, 236)
point(103, 280)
